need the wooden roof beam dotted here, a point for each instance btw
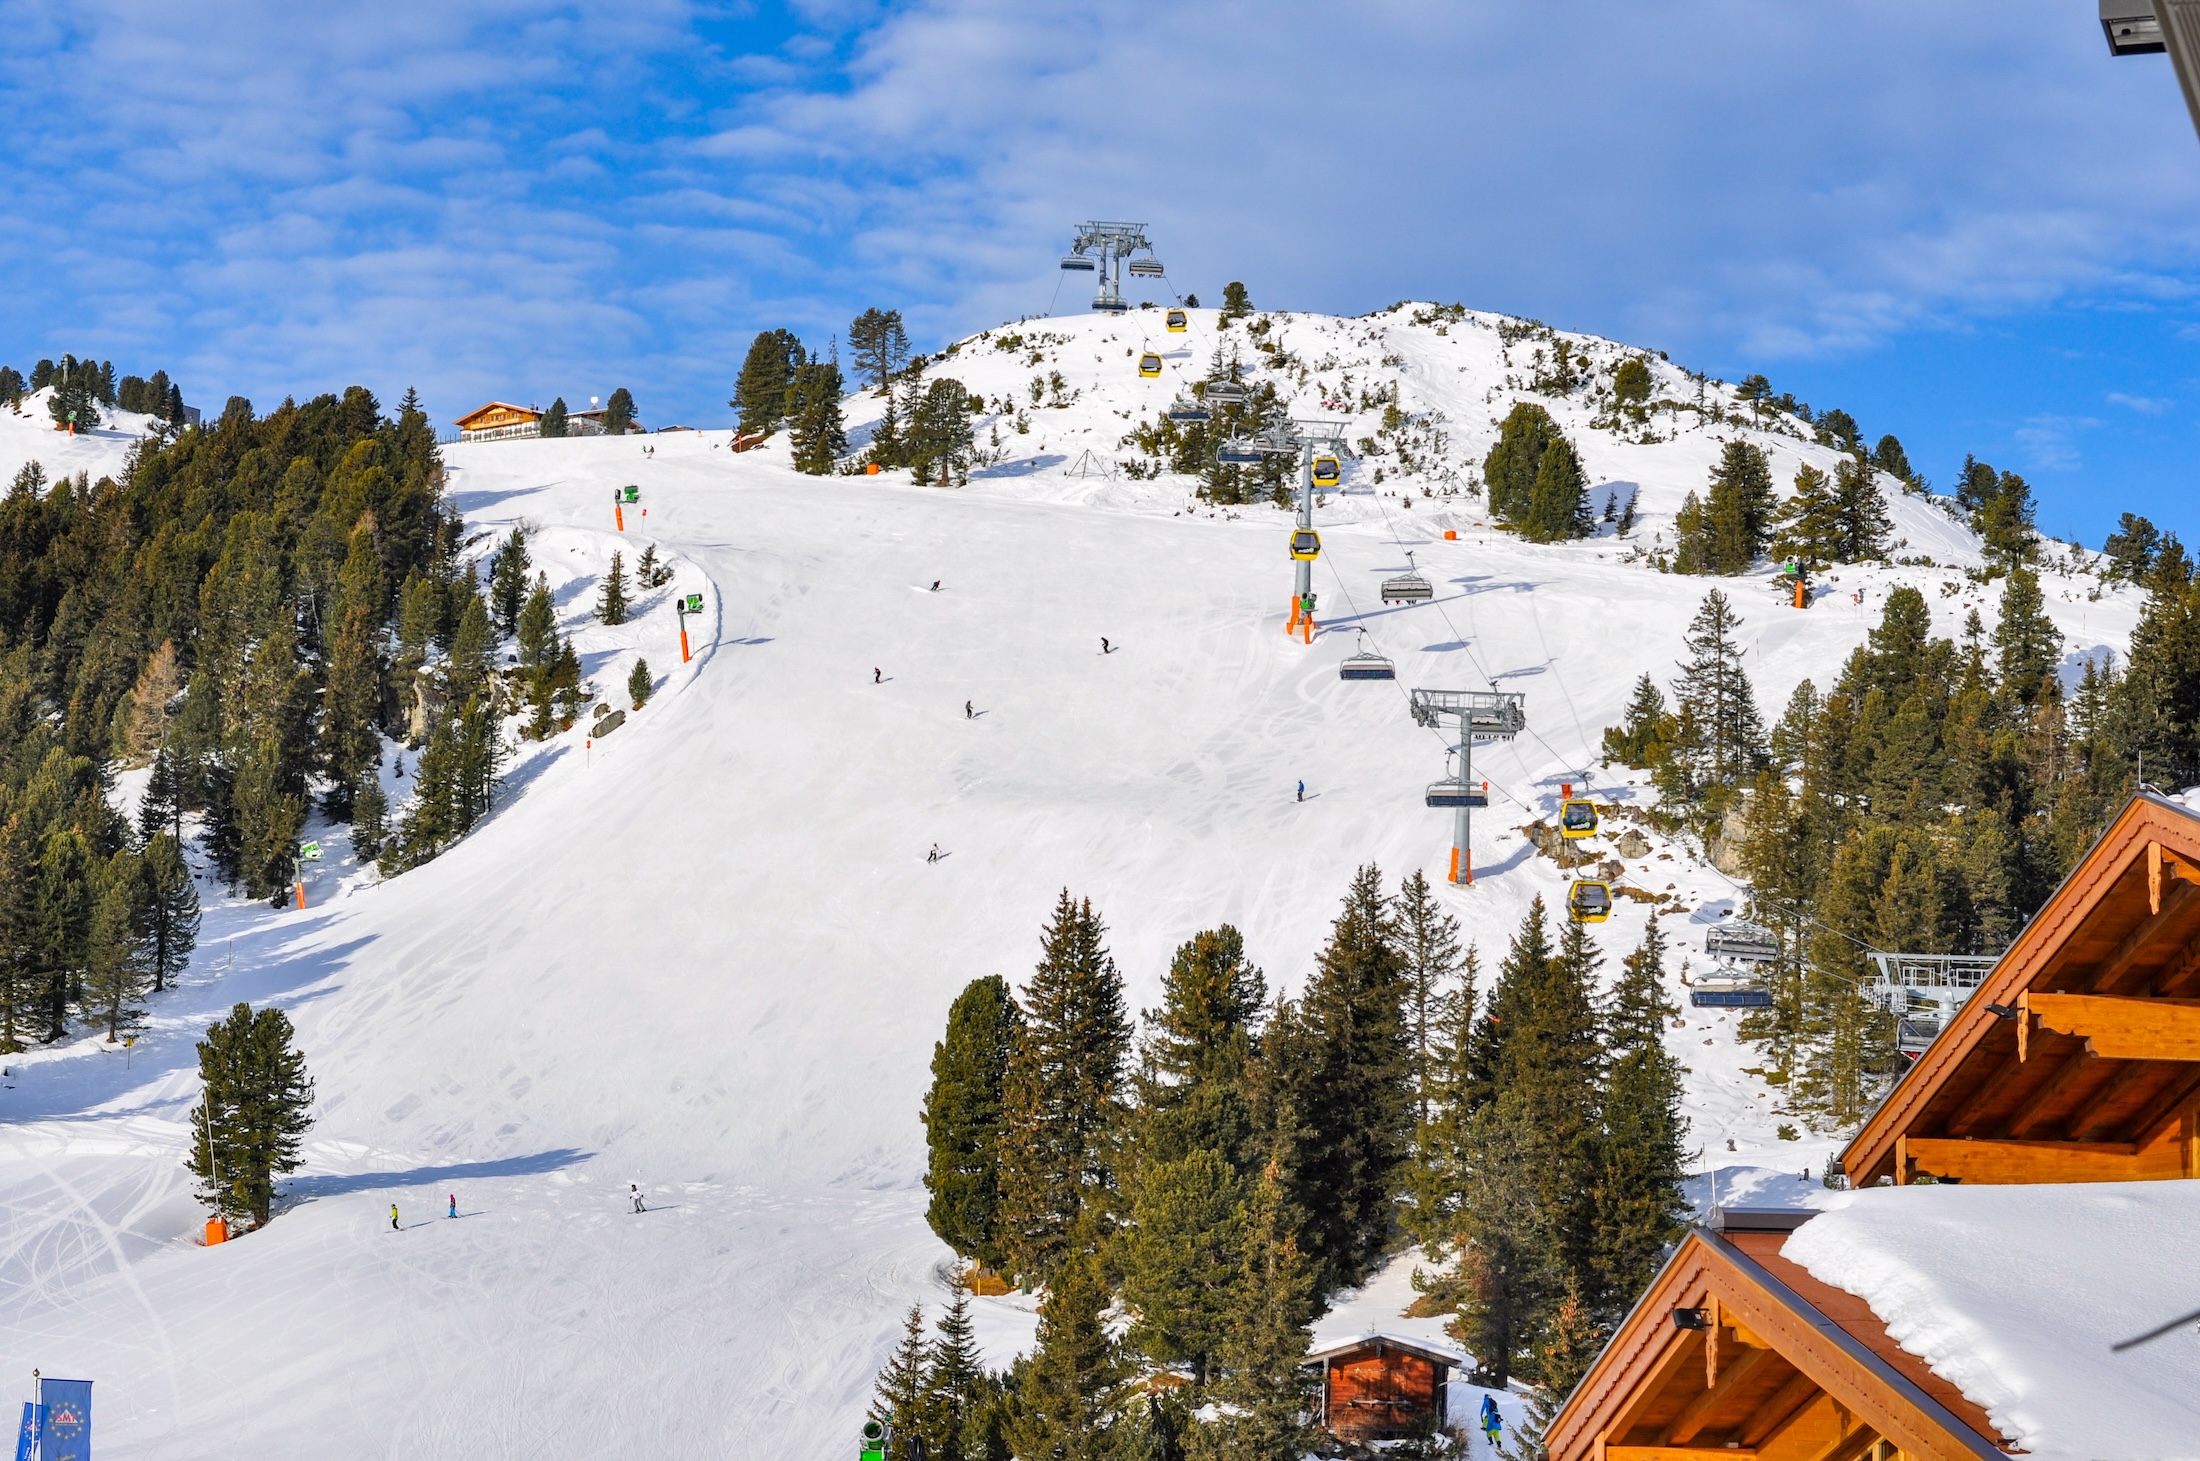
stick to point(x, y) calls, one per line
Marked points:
point(2175, 1099)
point(1687, 1351)
point(1675, 1453)
point(2108, 974)
point(2009, 1162)
point(1697, 1413)
point(2116, 1026)
point(2074, 1065)
point(1784, 1408)
point(2094, 1120)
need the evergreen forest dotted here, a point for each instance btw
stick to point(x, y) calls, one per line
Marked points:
point(1213, 1172)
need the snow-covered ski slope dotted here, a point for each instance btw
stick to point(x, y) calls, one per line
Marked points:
point(709, 954)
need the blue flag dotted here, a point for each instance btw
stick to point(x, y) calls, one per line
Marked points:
point(66, 1434)
point(29, 1437)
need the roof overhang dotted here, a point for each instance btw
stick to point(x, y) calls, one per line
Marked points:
point(2024, 1076)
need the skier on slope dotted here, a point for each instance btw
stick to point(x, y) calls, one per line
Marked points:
point(454, 1204)
point(934, 854)
point(634, 1191)
point(968, 713)
point(878, 676)
point(393, 1217)
point(1302, 791)
point(1105, 647)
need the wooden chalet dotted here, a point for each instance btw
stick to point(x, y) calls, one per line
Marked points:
point(2078, 1059)
point(1382, 1388)
point(499, 420)
point(1737, 1354)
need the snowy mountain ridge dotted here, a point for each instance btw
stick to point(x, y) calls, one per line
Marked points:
point(708, 953)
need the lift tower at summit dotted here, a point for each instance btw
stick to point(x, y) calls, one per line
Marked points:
point(1104, 249)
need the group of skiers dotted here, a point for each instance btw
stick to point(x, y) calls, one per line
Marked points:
point(633, 1193)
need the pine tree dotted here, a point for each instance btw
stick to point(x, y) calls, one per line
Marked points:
point(611, 606)
point(1067, 1388)
point(2027, 645)
point(352, 703)
point(1640, 740)
point(118, 963)
point(161, 808)
point(1441, 1144)
point(538, 625)
point(1809, 523)
point(956, 1385)
point(899, 1399)
point(1428, 939)
point(1063, 1091)
point(618, 413)
point(254, 1111)
point(1740, 508)
point(880, 346)
point(1178, 1258)
point(554, 420)
point(1264, 1386)
point(1352, 1087)
point(370, 812)
point(1568, 1346)
point(939, 439)
point(1199, 1045)
point(142, 722)
point(1640, 1207)
point(817, 436)
point(1510, 469)
point(1889, 457)
point(1236, 302)
point(467, 673)
point(761, 394)
point(508, 580)
point(964, 1119)
point(1553, 1071)
point(639, 684)
point(1558, 504)
point(1713, 694)
point(1861, 511)
point(172, 911)
point(19, 981)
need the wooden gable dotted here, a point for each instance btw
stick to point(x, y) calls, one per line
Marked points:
point(496, 414)
point(1381, 1389)
point(2078, 1059)
point(1783, 1368)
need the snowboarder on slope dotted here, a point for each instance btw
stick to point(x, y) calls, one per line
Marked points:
point(878, 676)
point(1302, 791)
point(634, 1190)
point(968, 714)
point(393, 1217)
point(454, 1204)
point(934, 854)
point(935, 585)
point(1105, 647)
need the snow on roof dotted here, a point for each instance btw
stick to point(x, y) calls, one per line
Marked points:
point(1445, 1353)
point(2016, 1295)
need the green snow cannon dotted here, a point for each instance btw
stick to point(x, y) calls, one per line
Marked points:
point(876, 1438)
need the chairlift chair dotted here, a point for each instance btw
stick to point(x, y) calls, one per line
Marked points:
point(1149, 365)
point(1177, 322)
point(1577, 818)
point(1188, 412)
point(1458, 794)
point(1365, 664)
point(1238, 453)
point(1408, 587)
point(1306, 544)
point(1226, 392)
point(1078, 264)
point(1327, 472)
point(1145, 269)
point(1110, 305)
point(1589, 901)
point(1729, 991)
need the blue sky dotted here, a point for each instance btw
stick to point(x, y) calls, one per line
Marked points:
point(1961, 222)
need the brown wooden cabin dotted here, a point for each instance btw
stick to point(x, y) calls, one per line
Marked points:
point(2078, 1059)
point(1380, 1388)
point(1736, 1354)
point(499, 419)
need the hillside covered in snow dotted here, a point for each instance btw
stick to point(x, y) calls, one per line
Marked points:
point(708, 952)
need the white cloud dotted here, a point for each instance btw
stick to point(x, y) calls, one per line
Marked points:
point(2144, 405)
point(2050, 442)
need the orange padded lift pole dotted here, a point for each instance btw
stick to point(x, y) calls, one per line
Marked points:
point(618, 516)
point(1799, 593)
point(300, 889)
point(683, 641)
point(1462, 868)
